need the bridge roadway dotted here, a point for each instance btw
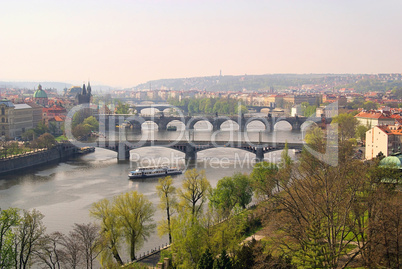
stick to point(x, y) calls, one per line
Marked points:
point(110, 121)
point(190, 148)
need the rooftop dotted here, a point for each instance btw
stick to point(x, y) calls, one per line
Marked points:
point(22, 106)
point(373, 115)
point(391, 129)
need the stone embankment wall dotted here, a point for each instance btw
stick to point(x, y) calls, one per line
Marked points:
point(59, 153)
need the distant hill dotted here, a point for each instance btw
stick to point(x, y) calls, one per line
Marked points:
point(34, 85)
point(47, 84)
point(248, 82)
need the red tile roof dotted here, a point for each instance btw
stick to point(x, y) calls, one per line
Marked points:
point(391, 129)
point(372, 115)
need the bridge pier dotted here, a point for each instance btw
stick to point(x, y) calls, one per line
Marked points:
point(296, 125)
point(242, 125)
point(191, 153)
point(216, 125)
point(123, 152)
point(162, 126)
point(259, 154)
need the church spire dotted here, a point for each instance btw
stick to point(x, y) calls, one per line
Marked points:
point(89, 88)
point(84, 91)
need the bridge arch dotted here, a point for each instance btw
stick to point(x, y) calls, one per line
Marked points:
point(149, 125)
point(283, 125)
point(194, 123)
point(170, 110)
point(148, 110)
point(178, 123)
point(157, 155)
point(265, 124)
point(307, 125)
point(229, 125)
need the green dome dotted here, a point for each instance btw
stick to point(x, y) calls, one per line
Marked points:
point(39, 93)
point(392, 161)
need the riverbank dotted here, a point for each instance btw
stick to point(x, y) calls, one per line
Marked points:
point(59, 153)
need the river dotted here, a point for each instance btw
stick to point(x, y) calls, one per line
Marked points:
point(64, 192)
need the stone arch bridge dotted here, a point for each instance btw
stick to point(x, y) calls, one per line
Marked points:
point(110, 121)
point(184, 109)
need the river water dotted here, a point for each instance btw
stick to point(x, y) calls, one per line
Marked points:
point(64, 192)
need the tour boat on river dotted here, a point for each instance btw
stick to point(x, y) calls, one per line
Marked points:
point(145, 172)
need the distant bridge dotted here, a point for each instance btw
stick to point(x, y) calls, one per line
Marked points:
point(162, 107)
point(190, 148)
point(109, 122)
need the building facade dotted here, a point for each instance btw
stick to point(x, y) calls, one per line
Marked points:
point(385, 139)
point(16, 118)
point(374, 118)
point(6, 112)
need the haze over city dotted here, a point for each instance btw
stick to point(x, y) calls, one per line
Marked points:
point(124, 43)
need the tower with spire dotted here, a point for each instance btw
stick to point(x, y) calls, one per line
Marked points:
point(85, 96)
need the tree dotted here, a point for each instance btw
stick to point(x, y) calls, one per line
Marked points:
point(46, 141)
point(309, 111)
point(315, 139)
point(223, 261)
point(122, 108)
point(79, 117)
point(223, 196)
point(134, 213)
point(110, 232)
point(230, 192)
point(29, 135)
point(189, 239)
point(378, 219)
point(89, 239)
point(41, 128)
point(81, 130)
point(9, 219)
point(166, 192)
point(194, 191)
point(72, 252)
point(27, 236)
point(264, 178)
point(206, 261)
point(369, 105)
point(243, 189)
point(48, 252)
point(361, 132)
point(315, 209)
point(286, 161)
point(347, 125)
point(92, 123)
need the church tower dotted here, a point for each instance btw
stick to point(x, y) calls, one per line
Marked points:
point(89, 90)
point(84, 91)
point(85, 96)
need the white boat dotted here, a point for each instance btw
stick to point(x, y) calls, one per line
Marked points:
point(145, 172)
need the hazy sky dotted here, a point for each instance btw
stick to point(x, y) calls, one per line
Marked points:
point(126, 42)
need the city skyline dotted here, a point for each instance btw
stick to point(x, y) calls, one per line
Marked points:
point(125, 43)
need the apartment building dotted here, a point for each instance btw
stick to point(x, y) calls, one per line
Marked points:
point(374, 118)
point(384, 138)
